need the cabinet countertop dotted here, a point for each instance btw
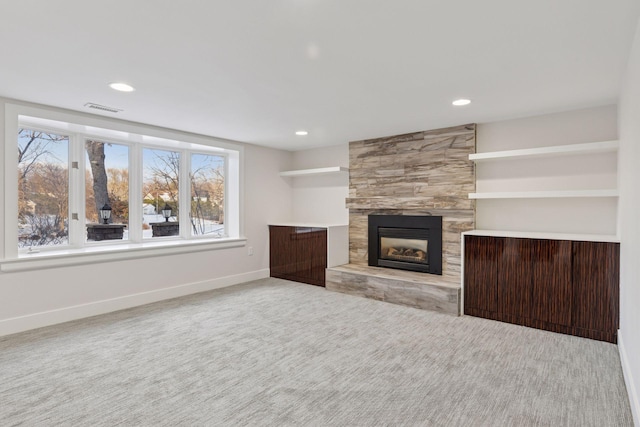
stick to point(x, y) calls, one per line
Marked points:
point(544, 235)
point(306, 224)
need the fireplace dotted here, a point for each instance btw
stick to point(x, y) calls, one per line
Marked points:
point(406, 242)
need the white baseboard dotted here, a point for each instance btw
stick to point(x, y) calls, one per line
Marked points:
point(52, 317)
point(628, 380)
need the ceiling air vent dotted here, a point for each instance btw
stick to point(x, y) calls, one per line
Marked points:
point(102, 107)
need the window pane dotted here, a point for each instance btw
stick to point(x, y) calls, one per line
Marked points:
point(43, 189)
point(207, 194)
point(160, 172)
point(107, 182)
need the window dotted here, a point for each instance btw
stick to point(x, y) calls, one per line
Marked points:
point(161, 189)
point(43, 189)
point(207, 194)
point(70, 173)
point(106, 182)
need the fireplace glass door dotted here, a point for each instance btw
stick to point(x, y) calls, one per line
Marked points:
point(407, 250)
point(406, 242)
point(403, 245)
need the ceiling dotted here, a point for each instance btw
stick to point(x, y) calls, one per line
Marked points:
point(257, 71)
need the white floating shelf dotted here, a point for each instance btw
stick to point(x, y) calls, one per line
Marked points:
point(544, 194)
point(590, 147)
point(317, 171)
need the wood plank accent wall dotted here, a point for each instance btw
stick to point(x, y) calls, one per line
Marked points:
point(421, 173)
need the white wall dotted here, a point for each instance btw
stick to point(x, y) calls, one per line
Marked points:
point(36, 298)
point(321, 198)
point(568, 172)
point(629, 336)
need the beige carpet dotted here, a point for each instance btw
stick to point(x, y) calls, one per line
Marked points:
point(273, 352)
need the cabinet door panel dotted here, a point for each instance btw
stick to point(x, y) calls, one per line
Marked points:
point(281, 255)
point(596, 276)
point(311, 254)
point(302, 251)
point(514, 277)
point(319, 257)
point(552, 281)
point(480, 272)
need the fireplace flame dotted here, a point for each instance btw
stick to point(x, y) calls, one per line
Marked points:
point(406, 254)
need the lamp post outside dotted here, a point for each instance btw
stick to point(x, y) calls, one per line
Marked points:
point(166, 228)
point(103, 230)
point(105, 213)
point(166, 212)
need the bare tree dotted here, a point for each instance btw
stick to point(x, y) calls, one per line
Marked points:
point(42, 189)
point(118, 186)
point(207, 194)
point(47, 223)
point(34, 145)
point(198, 195)
point(95, 151)
point(165, 177)
point(47, 230)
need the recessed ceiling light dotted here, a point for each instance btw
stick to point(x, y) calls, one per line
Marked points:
point(122, 87)
point(302, 133)
point(459, 102)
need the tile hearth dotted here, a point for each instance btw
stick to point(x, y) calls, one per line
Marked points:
point(413, 289)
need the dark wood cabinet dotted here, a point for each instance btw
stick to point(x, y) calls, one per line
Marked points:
point(558, 285)
point(298, 253)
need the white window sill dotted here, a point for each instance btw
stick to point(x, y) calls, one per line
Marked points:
point(95, 254)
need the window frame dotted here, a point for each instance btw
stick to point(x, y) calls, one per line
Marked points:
point(82, 127)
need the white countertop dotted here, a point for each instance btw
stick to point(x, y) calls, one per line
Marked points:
point(545, 235)
point(307, 224)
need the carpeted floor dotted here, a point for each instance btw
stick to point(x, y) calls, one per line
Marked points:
point(273, 352)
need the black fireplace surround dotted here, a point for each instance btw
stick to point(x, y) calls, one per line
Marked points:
point(407, 242)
